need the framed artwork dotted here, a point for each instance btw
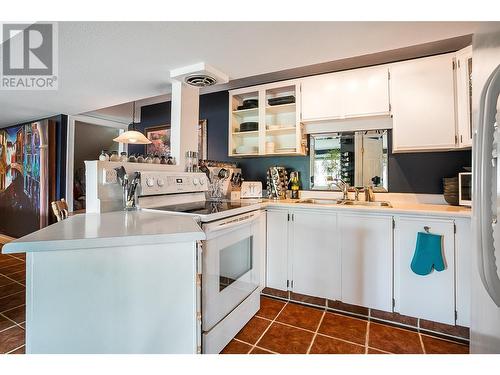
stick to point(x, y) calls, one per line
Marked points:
point(160, 140)
point(24, 163)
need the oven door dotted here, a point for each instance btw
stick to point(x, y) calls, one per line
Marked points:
point(231, 265)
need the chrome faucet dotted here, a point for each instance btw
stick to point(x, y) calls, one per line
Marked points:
point(357, 190)
point(344, 186)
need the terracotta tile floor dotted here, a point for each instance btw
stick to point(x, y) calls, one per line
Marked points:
point(12, 303)
point(281, 327)
point(278, 327)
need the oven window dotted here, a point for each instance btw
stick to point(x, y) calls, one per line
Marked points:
point(235, 261)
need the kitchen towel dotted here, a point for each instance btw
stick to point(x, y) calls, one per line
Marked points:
point(428, 254)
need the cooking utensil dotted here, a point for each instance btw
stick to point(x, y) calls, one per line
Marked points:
point(223, 174)
point(205, 170)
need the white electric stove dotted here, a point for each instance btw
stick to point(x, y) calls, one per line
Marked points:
point(233, 254)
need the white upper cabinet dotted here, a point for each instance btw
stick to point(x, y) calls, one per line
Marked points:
point(423, 104)
point(322, 97)
point(366, 92)
point(349, 94)
point(464, 97)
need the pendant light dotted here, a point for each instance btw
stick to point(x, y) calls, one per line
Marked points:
point(132, 135)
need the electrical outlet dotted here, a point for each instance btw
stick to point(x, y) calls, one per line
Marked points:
point(109, 176)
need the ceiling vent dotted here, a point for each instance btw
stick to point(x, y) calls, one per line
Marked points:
point(200, 80)
point(199, 75)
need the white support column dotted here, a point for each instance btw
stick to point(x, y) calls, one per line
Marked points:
point(184, 121)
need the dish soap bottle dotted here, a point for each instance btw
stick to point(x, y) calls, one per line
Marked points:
point(294, 185)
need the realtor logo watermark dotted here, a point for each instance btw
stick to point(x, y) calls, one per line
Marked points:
point(29, 56)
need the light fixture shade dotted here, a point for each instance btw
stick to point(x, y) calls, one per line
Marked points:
point(132, 136)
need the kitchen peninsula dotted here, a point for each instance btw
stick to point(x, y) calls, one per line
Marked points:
point(117, 282)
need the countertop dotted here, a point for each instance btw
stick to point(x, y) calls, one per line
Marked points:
point(397, 208)
point(110, 229)
point(144, 227)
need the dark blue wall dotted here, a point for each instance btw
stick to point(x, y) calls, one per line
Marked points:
point(408, 173)
point(151, 115)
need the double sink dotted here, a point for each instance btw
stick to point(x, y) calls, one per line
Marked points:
point(345, 202)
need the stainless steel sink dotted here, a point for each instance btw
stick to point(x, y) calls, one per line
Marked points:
point(364, 203)
point(345, 202)
point(320, 201)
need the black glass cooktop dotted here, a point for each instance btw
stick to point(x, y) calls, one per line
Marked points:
point(204, 207)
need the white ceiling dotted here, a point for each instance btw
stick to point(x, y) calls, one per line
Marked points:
point(102, 64)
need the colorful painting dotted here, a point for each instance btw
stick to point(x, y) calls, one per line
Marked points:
point(23, 168)
point(160, 140)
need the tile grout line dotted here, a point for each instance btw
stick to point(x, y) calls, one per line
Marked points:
point(421, 342)
point(319, 333)
point(367, 336)
point(10, 278)
point(13, 350)
point(316, 332)
point(13, 321)
point(269, 326)
point(13, 256)
point(392, 323)
point(256, 346)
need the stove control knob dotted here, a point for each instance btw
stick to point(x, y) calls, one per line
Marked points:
point(150, 181)
point(160, 182)
point(195, 181)
point(202, 181)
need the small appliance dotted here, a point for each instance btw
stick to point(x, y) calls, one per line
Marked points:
point(465, 189)
point(251, 189)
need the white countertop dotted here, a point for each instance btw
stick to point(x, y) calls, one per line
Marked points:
point(440, 210)
point(144, 227)
point(111, 229)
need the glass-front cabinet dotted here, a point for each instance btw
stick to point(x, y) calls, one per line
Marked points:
point(265, 120)
point(359, 158)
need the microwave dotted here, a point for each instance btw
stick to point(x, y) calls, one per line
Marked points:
point(465, 189)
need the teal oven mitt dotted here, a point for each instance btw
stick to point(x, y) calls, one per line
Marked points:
point(428, 254)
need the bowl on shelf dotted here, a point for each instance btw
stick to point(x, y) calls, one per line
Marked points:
point(289, 99)
point(249, 126)
point(248, 104)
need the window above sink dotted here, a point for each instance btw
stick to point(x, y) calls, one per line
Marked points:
point(359, 158)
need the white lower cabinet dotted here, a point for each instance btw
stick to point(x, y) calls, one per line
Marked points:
point(315, 254)
point(303, 252)
point(277, 249)
point(366, 245)
point(432, 296)
point(361, 259)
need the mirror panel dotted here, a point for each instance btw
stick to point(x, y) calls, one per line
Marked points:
point(359, 158)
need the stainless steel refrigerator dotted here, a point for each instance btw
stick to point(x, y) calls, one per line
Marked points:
point(485, 314)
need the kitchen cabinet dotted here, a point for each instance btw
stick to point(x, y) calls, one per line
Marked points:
point(349, 94)
point(315, 254)
point(367, 251)
point(303, 253)
point(322, 97)
point(423, 104)
point(266, 128)
point(277, 249)
point(432, 296)
point(464, 96)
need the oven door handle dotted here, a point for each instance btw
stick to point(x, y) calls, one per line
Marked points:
point(247, 219)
